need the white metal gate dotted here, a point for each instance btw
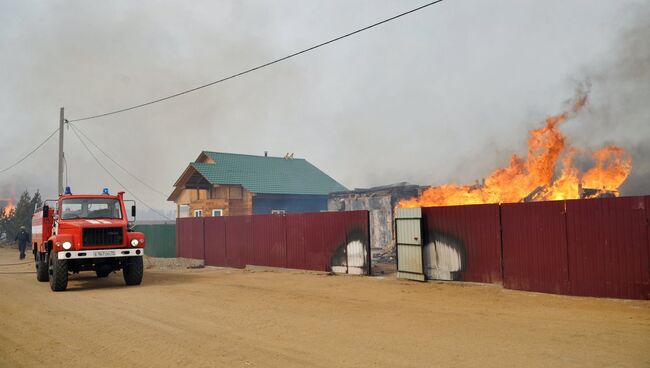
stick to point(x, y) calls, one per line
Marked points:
point(410, 264)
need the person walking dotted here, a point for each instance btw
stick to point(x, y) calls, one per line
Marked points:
point(22, 238)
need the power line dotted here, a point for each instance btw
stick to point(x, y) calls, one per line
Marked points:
point(259, 66)
point(74, 130)
point(117, 163)
point(30, 152)
point(113, 176)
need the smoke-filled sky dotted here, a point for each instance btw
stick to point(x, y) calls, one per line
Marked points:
point(446, 94)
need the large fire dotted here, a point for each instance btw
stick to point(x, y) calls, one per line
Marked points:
point(8, 208)
point(534, 178)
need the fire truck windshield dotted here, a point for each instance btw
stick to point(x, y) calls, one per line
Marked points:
point(90, 208)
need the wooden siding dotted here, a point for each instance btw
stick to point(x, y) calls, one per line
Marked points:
point(232, 199)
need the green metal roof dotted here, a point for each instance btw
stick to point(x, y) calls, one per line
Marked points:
point(272, 175)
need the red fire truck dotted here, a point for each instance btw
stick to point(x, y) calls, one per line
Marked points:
point(85, 232)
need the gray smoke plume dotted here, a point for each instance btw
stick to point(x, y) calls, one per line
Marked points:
point(619, 110)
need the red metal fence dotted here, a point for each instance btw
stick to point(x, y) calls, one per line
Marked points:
point(190, 232)
point(594, 247)
point(535, 247)
point(324, 241)
point(464, 239)
point(608, 247)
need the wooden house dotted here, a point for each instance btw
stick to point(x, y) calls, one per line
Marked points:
point(228, 184)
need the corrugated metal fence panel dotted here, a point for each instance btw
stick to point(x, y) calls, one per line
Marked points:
point(535, 247)
point(312, 241)
point(325, 240)
point(357, 228)
point(469, 236)
point(269, 241)
point(608, 247)
point(295, 234)
point(647, 209)
point(160, 239)
point(239, 241)
point(320, 241)
point(215, 241)
point(189, 238)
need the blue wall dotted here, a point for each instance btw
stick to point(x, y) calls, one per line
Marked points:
point(265, 203)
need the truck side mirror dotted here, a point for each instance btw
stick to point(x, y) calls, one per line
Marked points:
point(46, 211)
point(133, 211)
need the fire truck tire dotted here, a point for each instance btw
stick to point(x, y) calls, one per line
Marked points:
point(41, 268)
point(133, 271)
point(58, 272)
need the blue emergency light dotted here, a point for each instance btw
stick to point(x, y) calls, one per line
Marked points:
point(67, 190)
point(105, 191)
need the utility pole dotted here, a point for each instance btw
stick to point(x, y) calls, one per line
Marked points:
point(61, 123)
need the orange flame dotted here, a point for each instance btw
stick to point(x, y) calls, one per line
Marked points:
point(533, 178)
point(9, 207)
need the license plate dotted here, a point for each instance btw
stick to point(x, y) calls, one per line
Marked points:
point(105, 253)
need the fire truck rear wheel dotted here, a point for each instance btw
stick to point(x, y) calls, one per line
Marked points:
point(58, 272)
point(133, 270)
point(41, 268)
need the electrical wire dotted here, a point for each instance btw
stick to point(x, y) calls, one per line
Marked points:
point(259, 66)
point(117, 163)
point(30, 152)
point(113, 176)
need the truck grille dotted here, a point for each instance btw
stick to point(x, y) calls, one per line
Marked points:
point(102, 236)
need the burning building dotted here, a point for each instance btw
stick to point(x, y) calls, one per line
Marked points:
point(379, 201)
point(537, 176)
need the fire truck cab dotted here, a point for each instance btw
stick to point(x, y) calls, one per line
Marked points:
point(86, 232)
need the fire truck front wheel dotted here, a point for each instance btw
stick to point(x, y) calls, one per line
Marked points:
point(133, 270)
point(42, 273)
point(58, 272)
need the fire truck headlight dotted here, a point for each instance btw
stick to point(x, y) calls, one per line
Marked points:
point(134, 242)
point(66, 245)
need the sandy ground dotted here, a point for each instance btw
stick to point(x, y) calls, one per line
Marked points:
point(234, 318)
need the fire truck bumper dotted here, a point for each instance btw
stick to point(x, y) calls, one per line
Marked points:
point(101, 253)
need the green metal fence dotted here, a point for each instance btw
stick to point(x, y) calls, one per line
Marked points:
point(160, 239)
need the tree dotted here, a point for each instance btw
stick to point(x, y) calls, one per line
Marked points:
point(37, 201)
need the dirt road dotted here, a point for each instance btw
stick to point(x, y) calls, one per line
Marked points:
point(234, 318)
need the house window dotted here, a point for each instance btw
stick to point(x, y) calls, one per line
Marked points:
point(278, 212)
point(216, 213)
point(198, 213)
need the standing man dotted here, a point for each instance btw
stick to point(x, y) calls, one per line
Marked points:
point(22, 238)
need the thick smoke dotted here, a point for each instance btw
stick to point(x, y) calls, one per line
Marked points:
point(620, 109)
